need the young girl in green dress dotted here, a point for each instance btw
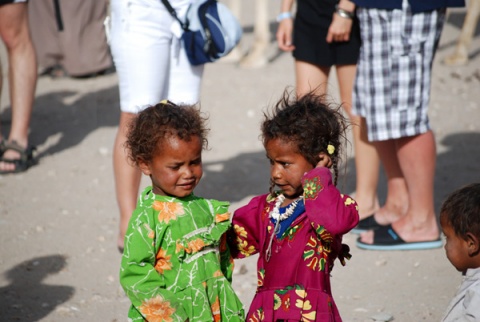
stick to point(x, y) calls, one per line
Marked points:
point(176, 265)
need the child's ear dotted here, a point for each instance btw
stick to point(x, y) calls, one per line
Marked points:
point(144, 166)
point(324, 160)
point(473, 244)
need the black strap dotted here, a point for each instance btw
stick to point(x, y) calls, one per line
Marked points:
point(58, 14)
point(174, 14)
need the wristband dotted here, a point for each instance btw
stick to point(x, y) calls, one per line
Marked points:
point(284, 15)
point(344, 13)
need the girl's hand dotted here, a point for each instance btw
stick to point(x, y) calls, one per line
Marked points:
point(325, 161)
point(339, 29)
point(284, 35)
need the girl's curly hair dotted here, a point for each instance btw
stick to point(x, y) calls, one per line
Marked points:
point(310, 123)
point(158, 122)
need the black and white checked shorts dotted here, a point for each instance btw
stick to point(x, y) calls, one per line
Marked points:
point(392, 87)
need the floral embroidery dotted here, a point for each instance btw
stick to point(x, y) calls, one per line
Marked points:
point(240, 231)
point(276, 301)
point(163, 261)
point(157, 310)
point(311, 188)
point(257, 316)
point(305, 305)
point(315, 254)
point(281, 301)
point(168, 210)
point(260, 277)
point(222, 217)
point(292, 231)
point(244, 248)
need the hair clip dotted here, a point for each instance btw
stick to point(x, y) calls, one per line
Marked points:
point(167, 102)
point(330, 149)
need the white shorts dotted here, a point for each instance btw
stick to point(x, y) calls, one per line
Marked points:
point(149, 58)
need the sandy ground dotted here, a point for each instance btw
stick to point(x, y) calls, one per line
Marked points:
point(58, 221)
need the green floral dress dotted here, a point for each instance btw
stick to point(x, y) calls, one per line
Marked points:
point(176, 264)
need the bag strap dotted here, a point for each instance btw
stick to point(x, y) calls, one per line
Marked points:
point(174, 14)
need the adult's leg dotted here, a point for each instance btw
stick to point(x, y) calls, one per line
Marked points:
point(416, 158)
point(367, 162)
point(140, 45)
point(396, 203)
point(127, 177)
point(310, 77)
point(22, 74)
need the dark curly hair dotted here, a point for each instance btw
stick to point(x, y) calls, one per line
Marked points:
point(461, 210)
point(310, 123)
point(155, 123)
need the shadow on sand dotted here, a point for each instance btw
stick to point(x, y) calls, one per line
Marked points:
point(26, 298)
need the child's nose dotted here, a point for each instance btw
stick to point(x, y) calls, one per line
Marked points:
point(275, 172)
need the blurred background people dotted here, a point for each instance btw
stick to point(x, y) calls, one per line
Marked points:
point(69, 37)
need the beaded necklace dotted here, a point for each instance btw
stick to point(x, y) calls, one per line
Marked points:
point(275, 214)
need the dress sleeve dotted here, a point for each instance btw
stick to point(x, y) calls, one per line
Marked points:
point(139, 276)
point(247, 224)
point(325, 205)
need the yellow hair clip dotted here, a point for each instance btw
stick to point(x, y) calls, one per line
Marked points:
point(330, 149)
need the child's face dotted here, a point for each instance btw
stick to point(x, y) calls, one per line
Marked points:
point(456, 248)
point(287, 167)
point(177, 168)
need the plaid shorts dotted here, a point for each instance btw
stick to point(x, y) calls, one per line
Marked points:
point(392, 86)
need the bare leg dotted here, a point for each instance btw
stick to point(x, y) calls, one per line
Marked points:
point(416, 157)
point(396, 204)
point(367, 162)
point(460, 55)
point(22, 74)
point(127, 177)
point(310, 77)
point(257, 57)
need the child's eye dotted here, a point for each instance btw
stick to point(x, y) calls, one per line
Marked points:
point(198, 161)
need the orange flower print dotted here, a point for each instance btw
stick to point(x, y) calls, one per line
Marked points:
point(157, 310)
point(195, 245)
point(151, 233)
point(217, 273)
point(163, 261)
point(240, 231)
point(215, 307)
point(222, 217)
point(168, 210)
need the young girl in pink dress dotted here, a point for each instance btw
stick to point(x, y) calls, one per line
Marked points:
point(297, 230)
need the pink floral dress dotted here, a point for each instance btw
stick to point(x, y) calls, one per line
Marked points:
point(294, 284)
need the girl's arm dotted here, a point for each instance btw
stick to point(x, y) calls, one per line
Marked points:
point(141, 281)
point(341, 25)
point(285, 26)
point(243, 238)
point(325, 205)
